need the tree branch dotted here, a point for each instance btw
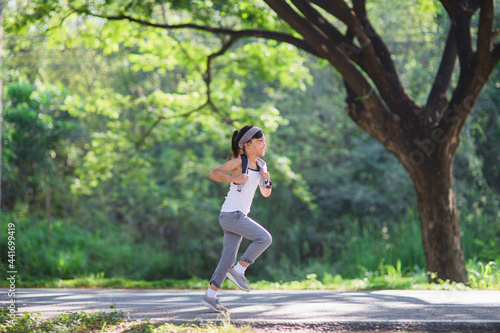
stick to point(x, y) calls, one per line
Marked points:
point(484, 34)
point(208, 75)
point(266, 34)
point(359, 7)
point(379, 45)
point(437, 101)
point(495, 54)
point(449, 6)
point(331, 8)
point(322, 44)
point(159, 119)
point(61, 22)
point(473, 76)
point(464, 12)
point(376, 61)
point(329, 30)
point(373, 117)
point(148, 132)
point(354, 103)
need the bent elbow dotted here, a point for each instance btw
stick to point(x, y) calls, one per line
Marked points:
point(265, 192)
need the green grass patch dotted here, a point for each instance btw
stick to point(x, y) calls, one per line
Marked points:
point(481, 276)
point(73, 322)
point(100, 281)
point(106, 322)
point(223, 327)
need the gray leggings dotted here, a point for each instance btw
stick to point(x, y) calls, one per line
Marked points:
point(237, 225)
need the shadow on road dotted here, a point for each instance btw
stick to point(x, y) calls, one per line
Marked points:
point(281, 307)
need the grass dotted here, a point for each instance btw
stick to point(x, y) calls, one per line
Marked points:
point(73, 322)
point(99, 281)
point(115, 321)
point(481, 276)
point(378, 257)
point(224, 327)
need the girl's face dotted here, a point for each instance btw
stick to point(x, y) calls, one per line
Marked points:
point(257, 146)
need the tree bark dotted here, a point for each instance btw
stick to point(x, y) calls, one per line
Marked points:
point(439, 221)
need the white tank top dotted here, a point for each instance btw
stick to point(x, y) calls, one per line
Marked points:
point(242, 201)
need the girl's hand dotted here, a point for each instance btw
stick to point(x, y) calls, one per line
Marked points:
point(241, 179)
point(264, 174)
point(265, 191)
point(221, 173)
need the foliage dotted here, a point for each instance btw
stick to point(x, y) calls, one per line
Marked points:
point(73, 322)
point(134, 135)
point(78, 261)
point(39, 138)
point(114, 321)
point(482, 277)
point(68, 250)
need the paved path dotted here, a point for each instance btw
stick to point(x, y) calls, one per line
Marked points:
point(277, 307)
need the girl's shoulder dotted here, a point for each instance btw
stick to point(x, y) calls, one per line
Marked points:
point(236, 161)
point(232, 164)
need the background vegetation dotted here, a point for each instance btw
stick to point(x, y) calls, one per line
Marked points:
point(107, 145)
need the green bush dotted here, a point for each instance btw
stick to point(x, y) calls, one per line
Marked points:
point(67, 250)
point(73, 254)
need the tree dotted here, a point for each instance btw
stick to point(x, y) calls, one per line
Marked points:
point(38, 136)
point(424, 138)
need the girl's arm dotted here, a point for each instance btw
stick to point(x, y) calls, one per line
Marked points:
point(265, 191)
point(229, 172)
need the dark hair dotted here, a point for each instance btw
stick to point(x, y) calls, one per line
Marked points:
point(237, 135)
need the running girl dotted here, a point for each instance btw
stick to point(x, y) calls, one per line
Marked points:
point(233, 218)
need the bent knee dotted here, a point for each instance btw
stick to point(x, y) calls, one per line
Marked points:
point(267, 240)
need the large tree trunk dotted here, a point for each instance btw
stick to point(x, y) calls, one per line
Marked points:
point(439, 222)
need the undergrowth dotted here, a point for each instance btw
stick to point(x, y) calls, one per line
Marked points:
point(73, 322)
point(115, 321)
point(481, 276)
point(68, 255)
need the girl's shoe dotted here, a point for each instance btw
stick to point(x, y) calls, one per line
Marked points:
point(213, 303)
point(239, 280)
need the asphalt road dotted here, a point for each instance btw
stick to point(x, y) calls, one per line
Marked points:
point(476, 311)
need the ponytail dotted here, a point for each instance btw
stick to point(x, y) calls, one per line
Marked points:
point(237, 135)
point(234, 145)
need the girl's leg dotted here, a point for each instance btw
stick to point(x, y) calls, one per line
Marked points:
point(230, 247)
point(237, 225)
point(248, 228)
point(261, 238)
point(212, 291)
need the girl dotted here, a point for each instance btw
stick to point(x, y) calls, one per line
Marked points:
point(233, 217)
